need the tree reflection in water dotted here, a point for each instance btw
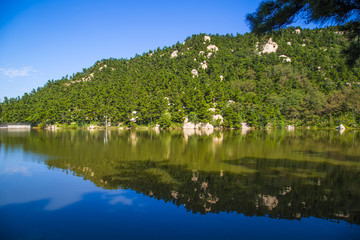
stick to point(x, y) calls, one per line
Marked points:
point(278, 174)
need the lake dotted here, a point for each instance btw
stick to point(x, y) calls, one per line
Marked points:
point(77, 184)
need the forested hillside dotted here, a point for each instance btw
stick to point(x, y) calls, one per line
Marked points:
point(292, 76)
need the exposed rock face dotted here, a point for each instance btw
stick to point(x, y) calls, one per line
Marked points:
point(133, 118)
point(218, 117)
point(212, 48)
point(285, 58)
point(190, 125)
point(270, 47)
point(91, 127)
point(51, 127)
point(168, 100)
point(341, 127)
point(244, 125)
point(290, 127)
point(85, 79)
point(204, 65)
point(100, 68)
point(194, 73)
point(207, 126)
point(174, 54)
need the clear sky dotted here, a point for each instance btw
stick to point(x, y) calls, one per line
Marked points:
point(42, 40)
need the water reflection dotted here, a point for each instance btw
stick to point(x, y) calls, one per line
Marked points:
point(279, 174)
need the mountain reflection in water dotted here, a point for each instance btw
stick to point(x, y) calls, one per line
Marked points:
point(278, 174)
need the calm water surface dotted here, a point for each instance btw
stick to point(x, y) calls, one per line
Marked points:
point(179, 185)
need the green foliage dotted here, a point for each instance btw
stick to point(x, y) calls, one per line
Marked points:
point(193, 117)
point(165, 120)
point(316, 88)
point(275, 14)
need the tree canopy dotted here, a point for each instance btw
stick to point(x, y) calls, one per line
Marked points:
point(275, 14)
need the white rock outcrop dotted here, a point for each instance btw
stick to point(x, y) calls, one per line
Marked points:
point(189, 125)
point(340, 127)
point(195, 73)
point(244, 126)
point(203, 126)
point(204, 65)
point(207, 126)
point(290, 127)
point(133, 117)
point(100, 68)
point(174, 54)
point(212, 48)
point(285, 58)
point(270, 47)
point(92, 127)
point(218, 117)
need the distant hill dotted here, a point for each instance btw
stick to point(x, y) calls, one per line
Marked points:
point(292, 76)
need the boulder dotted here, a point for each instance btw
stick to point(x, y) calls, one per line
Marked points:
point(340, 127)
point(212, 48)
point(174, 54)
point(270, 47)
point(204, 65)
point(290, 127)
point(195, 73)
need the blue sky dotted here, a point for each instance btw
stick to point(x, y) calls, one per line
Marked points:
point(42, 40)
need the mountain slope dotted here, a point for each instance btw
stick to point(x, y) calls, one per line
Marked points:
point(292, 76)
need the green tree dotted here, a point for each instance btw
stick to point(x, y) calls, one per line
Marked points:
point(275, 14)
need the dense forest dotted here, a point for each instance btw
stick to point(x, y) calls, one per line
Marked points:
point(291, 76)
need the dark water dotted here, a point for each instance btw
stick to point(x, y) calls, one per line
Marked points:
point(179, 185)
